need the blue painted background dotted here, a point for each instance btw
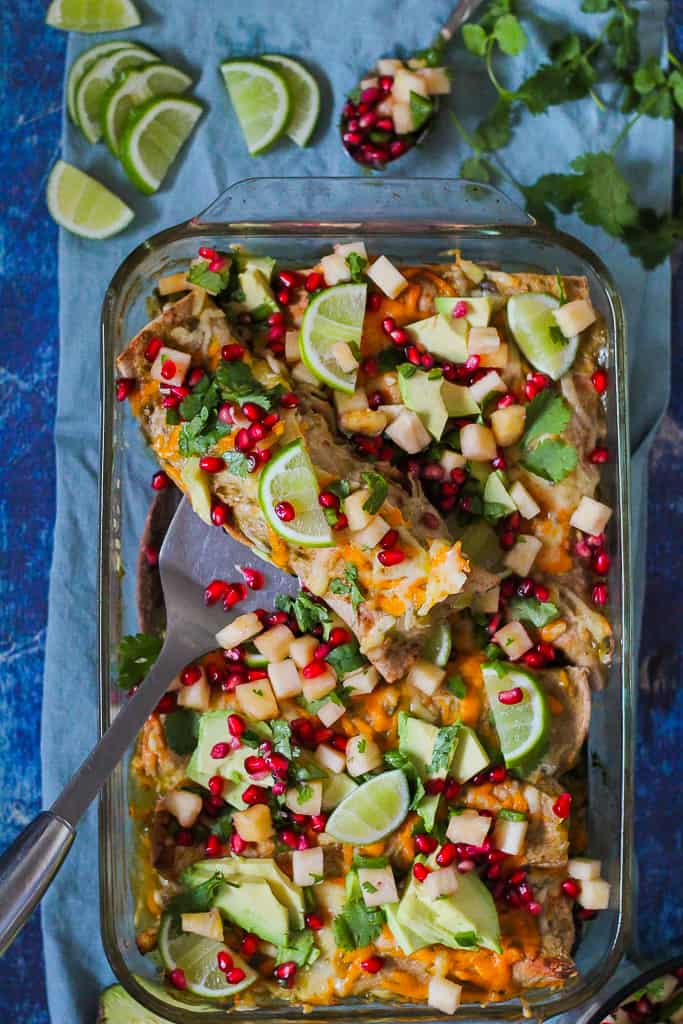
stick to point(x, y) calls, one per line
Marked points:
point(31, 69)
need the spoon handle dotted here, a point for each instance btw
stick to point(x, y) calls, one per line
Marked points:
point(464, 10)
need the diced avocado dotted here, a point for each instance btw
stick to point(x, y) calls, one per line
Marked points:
point(416, 916)
point(416, 739)
point(479, 471)
point(406, 938)
point(469, 909)
point(253, 868)
point(423, 396)
point(252, 905)
point(497, 501)
point(458, 400)
point(247, 261)
point(258, 295)
point(480, 544)
point(442, 336)
point(301, 949)
point(213, 729)
point(470, 758)
point(479, 310)
point(117, 1007)
point(335, 788)
point(197, 483)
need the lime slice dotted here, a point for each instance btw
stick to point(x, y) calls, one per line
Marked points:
point(522, 728)
point(261, 100)
point(81, 65)
point(437, 646)
point(92, 15)
point(83, 206)
point(536, 332)
point(93, 84)
point(372, 811)
point(290, 477)
point(304, 95)
point(253, 658)
point(336, 314)
point(154, 135)
point(196, 957)
point(134, 87)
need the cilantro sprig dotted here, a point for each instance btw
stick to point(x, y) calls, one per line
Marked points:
point(136, 655)
point(348, 586)
point(544, 453)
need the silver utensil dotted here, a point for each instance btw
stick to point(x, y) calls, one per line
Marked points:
point(191, 555)
point(382, 153)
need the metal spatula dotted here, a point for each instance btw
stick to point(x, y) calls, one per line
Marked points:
point(191, 556)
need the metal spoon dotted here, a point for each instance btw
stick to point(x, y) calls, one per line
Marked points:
point(376, 145)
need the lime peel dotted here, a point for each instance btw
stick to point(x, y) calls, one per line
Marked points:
point(372, 811)
point(82, 205)
point(289, 476)
point(335, 314)
point(261, 100)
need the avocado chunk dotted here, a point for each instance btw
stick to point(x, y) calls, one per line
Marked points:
point(480, 544)
point(466, 919)
point(497, 500)
point(247, 261)
point(458, 400)
point(213, 729)
point(335, 788)
point(422, 393)
point(479, 310)
point(251, 904)
point(470, 758)
point(237, 869)
point(258, 295)
point(442, 336)
point(117, 1007)
point(405, 937)
point(197, 483)
point(417, 739)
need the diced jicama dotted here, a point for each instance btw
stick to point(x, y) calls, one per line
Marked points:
point(257, 700)
point(528, 507)
point(302, 649)
point(330, 712)
point(285, 679)
point(513, 639)
point(482, 339)
point(170, 366)
point(197, 696)
point(594, 894)
point(441, 882)
point(372, 534)
point(241, 629)
point(510, 836)
point(303, 375)
point(591, 516)
point(438, 82)
point(348, 247)
point(173, 283)
point(255, 824)
point(361, 682)
point(444, 995)
point(409, 432)
point(426, 676)
point(320, 685)
point(208, 924)
point(385, 275)
point(292, 350)
point(389, 66)
point(497, 360)
point(403, 118)
point(508, 424)
point(357, 516)
point(574, 317)
point(184, 806)
point(344, 357)
point(472, 270)
point(452, 460)
point(350, 403)
point(274, 643)
point(377, 885)
point(330, 758)
point(306, 798)
point(368, 83)
point(486, 602)
point(362, 755)
point(307, 866)
point(468, 827)
point(477, 443)
point(522, 555)
point(406, 82)
point(335, 269)
point(485, 385)
point(583, 868)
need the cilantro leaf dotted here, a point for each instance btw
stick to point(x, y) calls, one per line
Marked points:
point(356, 264)
point(202, 429)
point(562, 294)
point(346, 658)
point(530, 609)
point(547, 413)
point(301, 948)
point(197, 900)
point(282, 737)
point(378, 488)
point(356, 925)
point(389, 358)
point(348, 586)
point(213, 281)
point(221, 827)
point(304, 793)
point(421, 109)
point(604, 195)
point(399, 759)
point(558, 190)
point(238, 384)
point(136, 655)
point(568, 76)
point(444, 748)
point(182, 730)
point(552, 459)
point(475, 39)
point(342, 488)
point(654, 238)
point(510, 35)
point(476, 169)
point(361, 861)
point(495, 130)
point(237, 463)
point(456, 685)
point(307, 611)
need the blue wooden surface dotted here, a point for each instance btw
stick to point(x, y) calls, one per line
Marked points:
point(32, 67)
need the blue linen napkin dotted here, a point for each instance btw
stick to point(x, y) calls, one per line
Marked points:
point(339, 41)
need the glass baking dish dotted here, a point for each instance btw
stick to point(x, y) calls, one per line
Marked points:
point(413, 221)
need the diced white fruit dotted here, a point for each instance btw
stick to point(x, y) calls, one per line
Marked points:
point(522, 556)
point(574, 317)
point(482, 339)
point(335, 268)
point(426, 676)
point(513, 639)
point(492, 381)
point(409, 432)
point(372, 534)
point(299, 800)
point(510, 836)
point(473, 271)
point(184, 806)
point(241, 629)
point(257, 700)
point(385, 107)
point(197, 697)
point(181, 361)
point(330, 758)
point(477, 443)
point(591, 516)
point(387, 278)
point(391, 412)
point(479, 309)
point(497, 360)
point(452, 460)
point(285, 679)
point(403, 118)
point(350, 403)
point(508, 424)
point(274, 643)
point(370, 422)
point(330, 712)
point(357, 516)
point(442, 882)
point(389, 66)
point(406, 82)
point(255, 824)
point(584, 868)
point(303, 375)
point(528, 507)
point(348, 247)
point(319, 687)
point(594, 894)
point(345, 358)
point(444, 995)
point(362, 755)
point(361, 682)
point(308, 866)
point(208, 924)
point(437, 81)
point(486, 603)
point(301, 649)
point(292, 350)
point(378, 886)
point(368, 83)
point(173, 283)
point(468, 827)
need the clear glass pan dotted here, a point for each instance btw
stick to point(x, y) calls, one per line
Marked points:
point(413, 221)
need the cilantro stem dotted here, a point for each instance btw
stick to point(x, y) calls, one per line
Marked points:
point(465, 134)
point(629, 124)
point(597, 101)
point(500, 89)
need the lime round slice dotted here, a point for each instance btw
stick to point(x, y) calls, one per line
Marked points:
point(86, 16)
point(153, 137)
point(93, 84)
point(254, 658)
point(290, 477)
point(196, 957)
point(372, 811)
point(336, 314)
point(437, 646)
point(133, 88)
point(81, 65)
point(304, 94)
point(535, 330)
point(261, 100)
point(83, 206)
point(522, 728)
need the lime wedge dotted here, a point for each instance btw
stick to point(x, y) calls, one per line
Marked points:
point(81, 65)
point(372, 811)
point(304, 95)
point(522, 728)
point(290, 477)
point(93, 84)
point(92, 15)
point(83, 206)
point(261, 100)
point(134, 87)
point(438, 643)
point(196, 957)
point(336, 314)
point(535, 330)
point(154, 135)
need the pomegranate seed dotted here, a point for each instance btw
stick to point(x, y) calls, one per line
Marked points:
point(255, 795)
point(253, 577)
point(289, 838)
point(599, 594)
point(340, 742)
point(303, 730)
point(224, 961)
point(124, 386)
point(313, 669)
point(504, 401)
point(600, 381)
point(339, 635)
point(397, 147)
point(183, 837)
point(497, 775)
point(190, 675)
point(601, 563)
point(374, 301)
point(388, 325)
point(235, 975)
point(177, 978)
point(385, 83)
point(277, 619)
point(236, 725)
point(262, 455)
point(372, 965)
point(276, 332)
point(570, 888)
point(249, 944)
point(219, 751)
point(153, 348)
point(314, 921)
point(160, 481)
point(213, 847)
point(368, 120)
point(434, 786)
point(284, 510)
point(446, 855)
point(314, 281)
point(279, 787)
point(256, 432)
point(285, 972)
point(318, 822)
point(425, 843)
point(370, 95)
point(169, 369)
point(507, 539)
point(466, 865)
point(217, 264)
point(391, 557)
point(151, 555)
point(596, 541)
point(277, 763)
point(166, 704)
point(255, 765)
point(302, 843)
point(399, 336)
point(582, 549)
point(253, 412)
point(451, 790)
point(341, 524)
point(216, 784)
point(321, 652)
point(413, 355)
point(541, 593)
point(498, 462)
point(563, 805)
point(242, 440)
point(254, 674)
point(420, 871)
point(289, 400)
point(389, 540)
point(525, 587)
point(237, 844)
point(234, 593)
point(472, 363)
point(206, 253)
point(534, 907)
point(211, 464)
point(433, 471)
point(289, 278)
point(598, 456)
point(326, 499)
point(232, 352)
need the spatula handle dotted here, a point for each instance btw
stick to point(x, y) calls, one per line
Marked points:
point(27, 868)
point(460, 15)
